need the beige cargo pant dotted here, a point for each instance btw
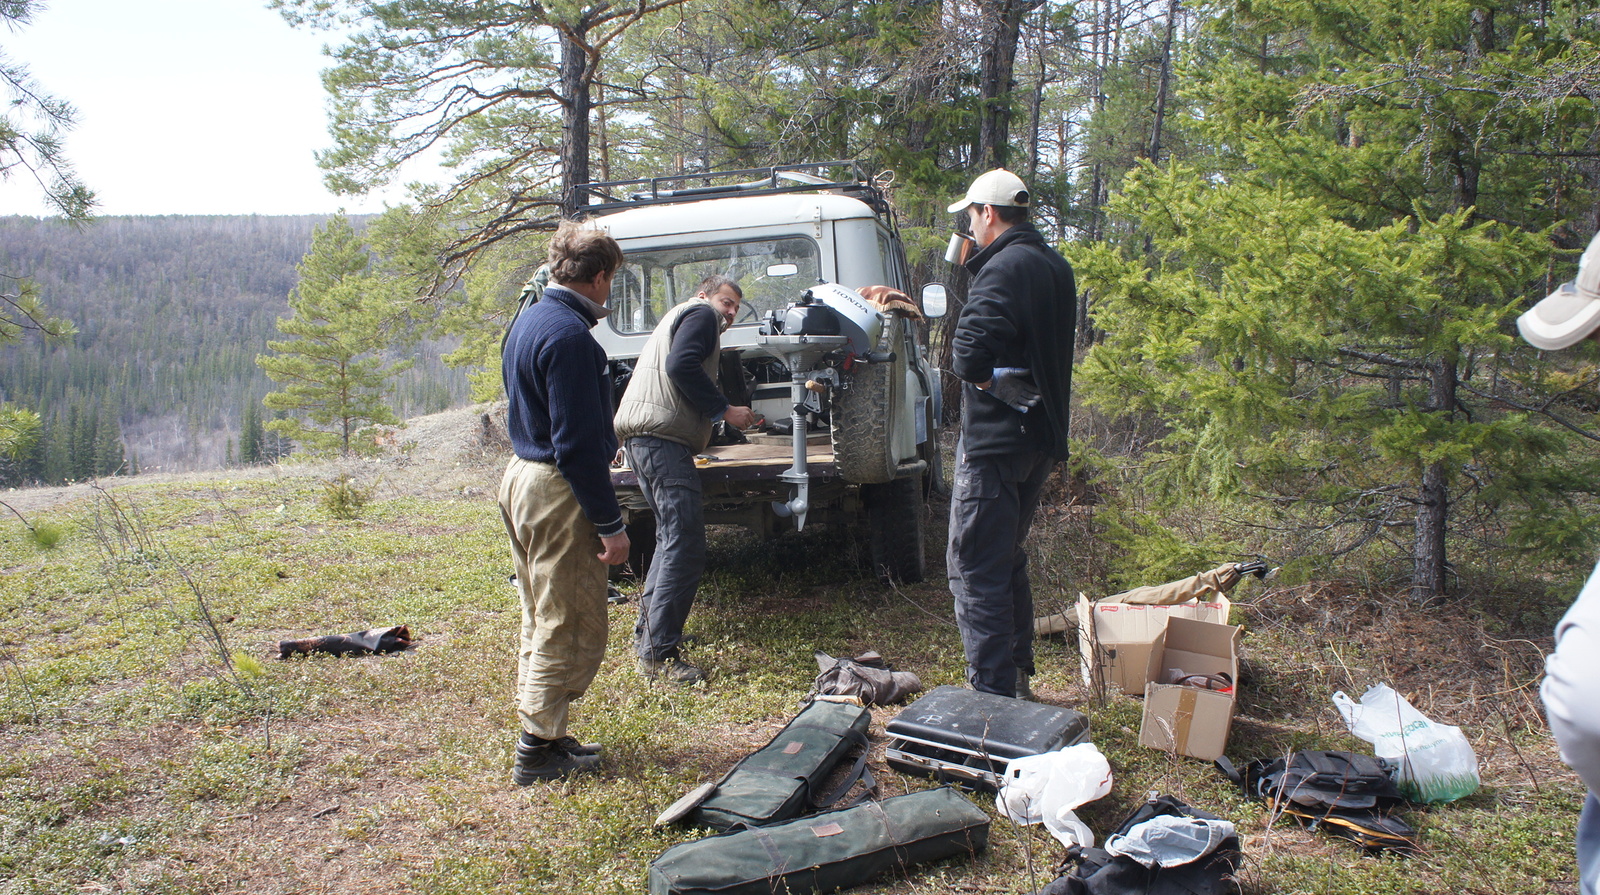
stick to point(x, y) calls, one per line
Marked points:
point(562, 582)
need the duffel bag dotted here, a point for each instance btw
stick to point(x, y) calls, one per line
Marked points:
point(825, 852)
point(779, 781)
point(1199, 866)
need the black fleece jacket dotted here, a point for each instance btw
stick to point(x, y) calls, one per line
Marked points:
point(1020, 312)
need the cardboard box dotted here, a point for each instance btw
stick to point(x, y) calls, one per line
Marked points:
point(1189, 720)
point(1117, 640)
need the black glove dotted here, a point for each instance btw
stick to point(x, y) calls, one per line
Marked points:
point(1014, 386)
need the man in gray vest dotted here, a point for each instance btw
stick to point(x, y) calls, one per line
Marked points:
point(665, 419)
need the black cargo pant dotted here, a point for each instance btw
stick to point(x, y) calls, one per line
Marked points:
point(991, 510)
point(671, 486)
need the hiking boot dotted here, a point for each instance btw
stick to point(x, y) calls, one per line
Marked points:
point(551, 762)
point(671, 669)
point(566, 744)
point(1024, 691)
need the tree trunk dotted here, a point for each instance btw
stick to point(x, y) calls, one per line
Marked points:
point(1163, 86)
point(1433, 506)
point(574, 79)
point(1002, 25)
point(1427, 577)
point(600, 131)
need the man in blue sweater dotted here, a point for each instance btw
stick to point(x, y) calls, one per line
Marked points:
point(556, 498)
point(1571, 687)
point(1012, 347)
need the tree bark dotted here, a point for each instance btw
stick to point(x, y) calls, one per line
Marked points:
point(1002, 27)
point(1433, 505)
point(575, 77)
point(1163, 86)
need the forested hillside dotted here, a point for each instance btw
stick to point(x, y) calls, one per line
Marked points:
point(171, 313)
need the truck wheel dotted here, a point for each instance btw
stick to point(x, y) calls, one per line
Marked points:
point(863, 413)
point(894, 522)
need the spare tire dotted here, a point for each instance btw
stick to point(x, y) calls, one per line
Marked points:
point(864, 408)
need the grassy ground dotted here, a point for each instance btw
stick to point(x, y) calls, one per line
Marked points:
point(156, 745)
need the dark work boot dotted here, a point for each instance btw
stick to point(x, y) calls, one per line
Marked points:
point(539, 759)
point(1024, 691)
point(671, 669)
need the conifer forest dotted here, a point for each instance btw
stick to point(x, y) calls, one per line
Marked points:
point(171, 313)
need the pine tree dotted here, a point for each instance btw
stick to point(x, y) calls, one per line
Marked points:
point(250, 435)
point(1341, 377)
point(58, 451)
point(108, 453)
point(344, 315)
point(80, 445)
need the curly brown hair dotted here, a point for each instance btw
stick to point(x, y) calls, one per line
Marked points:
point(578, 254)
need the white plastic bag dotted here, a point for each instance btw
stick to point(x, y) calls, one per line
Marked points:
point(1436, 762)
point(1048, 786)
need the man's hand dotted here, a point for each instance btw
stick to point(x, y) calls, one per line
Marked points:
point(616, 552)
point(740, 417)
point(1014, 386)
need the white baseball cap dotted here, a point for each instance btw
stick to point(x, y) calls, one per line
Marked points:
point(997, 187)
point(1570, 314)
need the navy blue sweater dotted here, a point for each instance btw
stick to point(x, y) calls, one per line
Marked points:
point(560, 400)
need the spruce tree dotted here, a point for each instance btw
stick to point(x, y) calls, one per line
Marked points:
point(250, 435)
point(343, 315)
point(1349, 384)
point(108, 453)
point(58, 452)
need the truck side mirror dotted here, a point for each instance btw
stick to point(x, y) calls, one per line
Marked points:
point(934, 300)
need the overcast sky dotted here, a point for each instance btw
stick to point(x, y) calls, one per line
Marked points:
point(184, 107)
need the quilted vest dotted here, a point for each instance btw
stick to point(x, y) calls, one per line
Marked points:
point(652, 405)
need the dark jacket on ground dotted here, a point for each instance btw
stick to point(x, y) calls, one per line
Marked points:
point(1020, 312)
point(559, 394)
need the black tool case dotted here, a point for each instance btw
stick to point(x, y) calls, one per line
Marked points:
point(967, 738)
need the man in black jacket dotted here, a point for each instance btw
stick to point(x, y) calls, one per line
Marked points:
point(1013, 349)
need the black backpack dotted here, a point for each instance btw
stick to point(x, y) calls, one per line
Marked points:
point(1343, 793)
point(1095, 871)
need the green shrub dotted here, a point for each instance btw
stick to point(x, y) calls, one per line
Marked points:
point(344, 497)
point(47, 535)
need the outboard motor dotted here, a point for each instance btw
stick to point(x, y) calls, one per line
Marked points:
point(827, 318)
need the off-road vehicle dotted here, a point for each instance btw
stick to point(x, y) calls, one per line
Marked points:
point(848, 395)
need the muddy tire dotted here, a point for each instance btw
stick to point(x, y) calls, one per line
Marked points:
point(895, 518)
point(863, 412)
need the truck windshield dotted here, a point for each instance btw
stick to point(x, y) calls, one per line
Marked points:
point(771, 272)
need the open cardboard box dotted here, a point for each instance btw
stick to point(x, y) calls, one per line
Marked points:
point(1184, 719)
point(1118, 640)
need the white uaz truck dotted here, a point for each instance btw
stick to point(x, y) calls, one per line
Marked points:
point(848, 395)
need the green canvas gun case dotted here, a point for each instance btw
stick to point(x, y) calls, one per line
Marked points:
point(779, 781)
point(825, 852)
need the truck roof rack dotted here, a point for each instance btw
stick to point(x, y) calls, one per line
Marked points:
point(805, 177)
